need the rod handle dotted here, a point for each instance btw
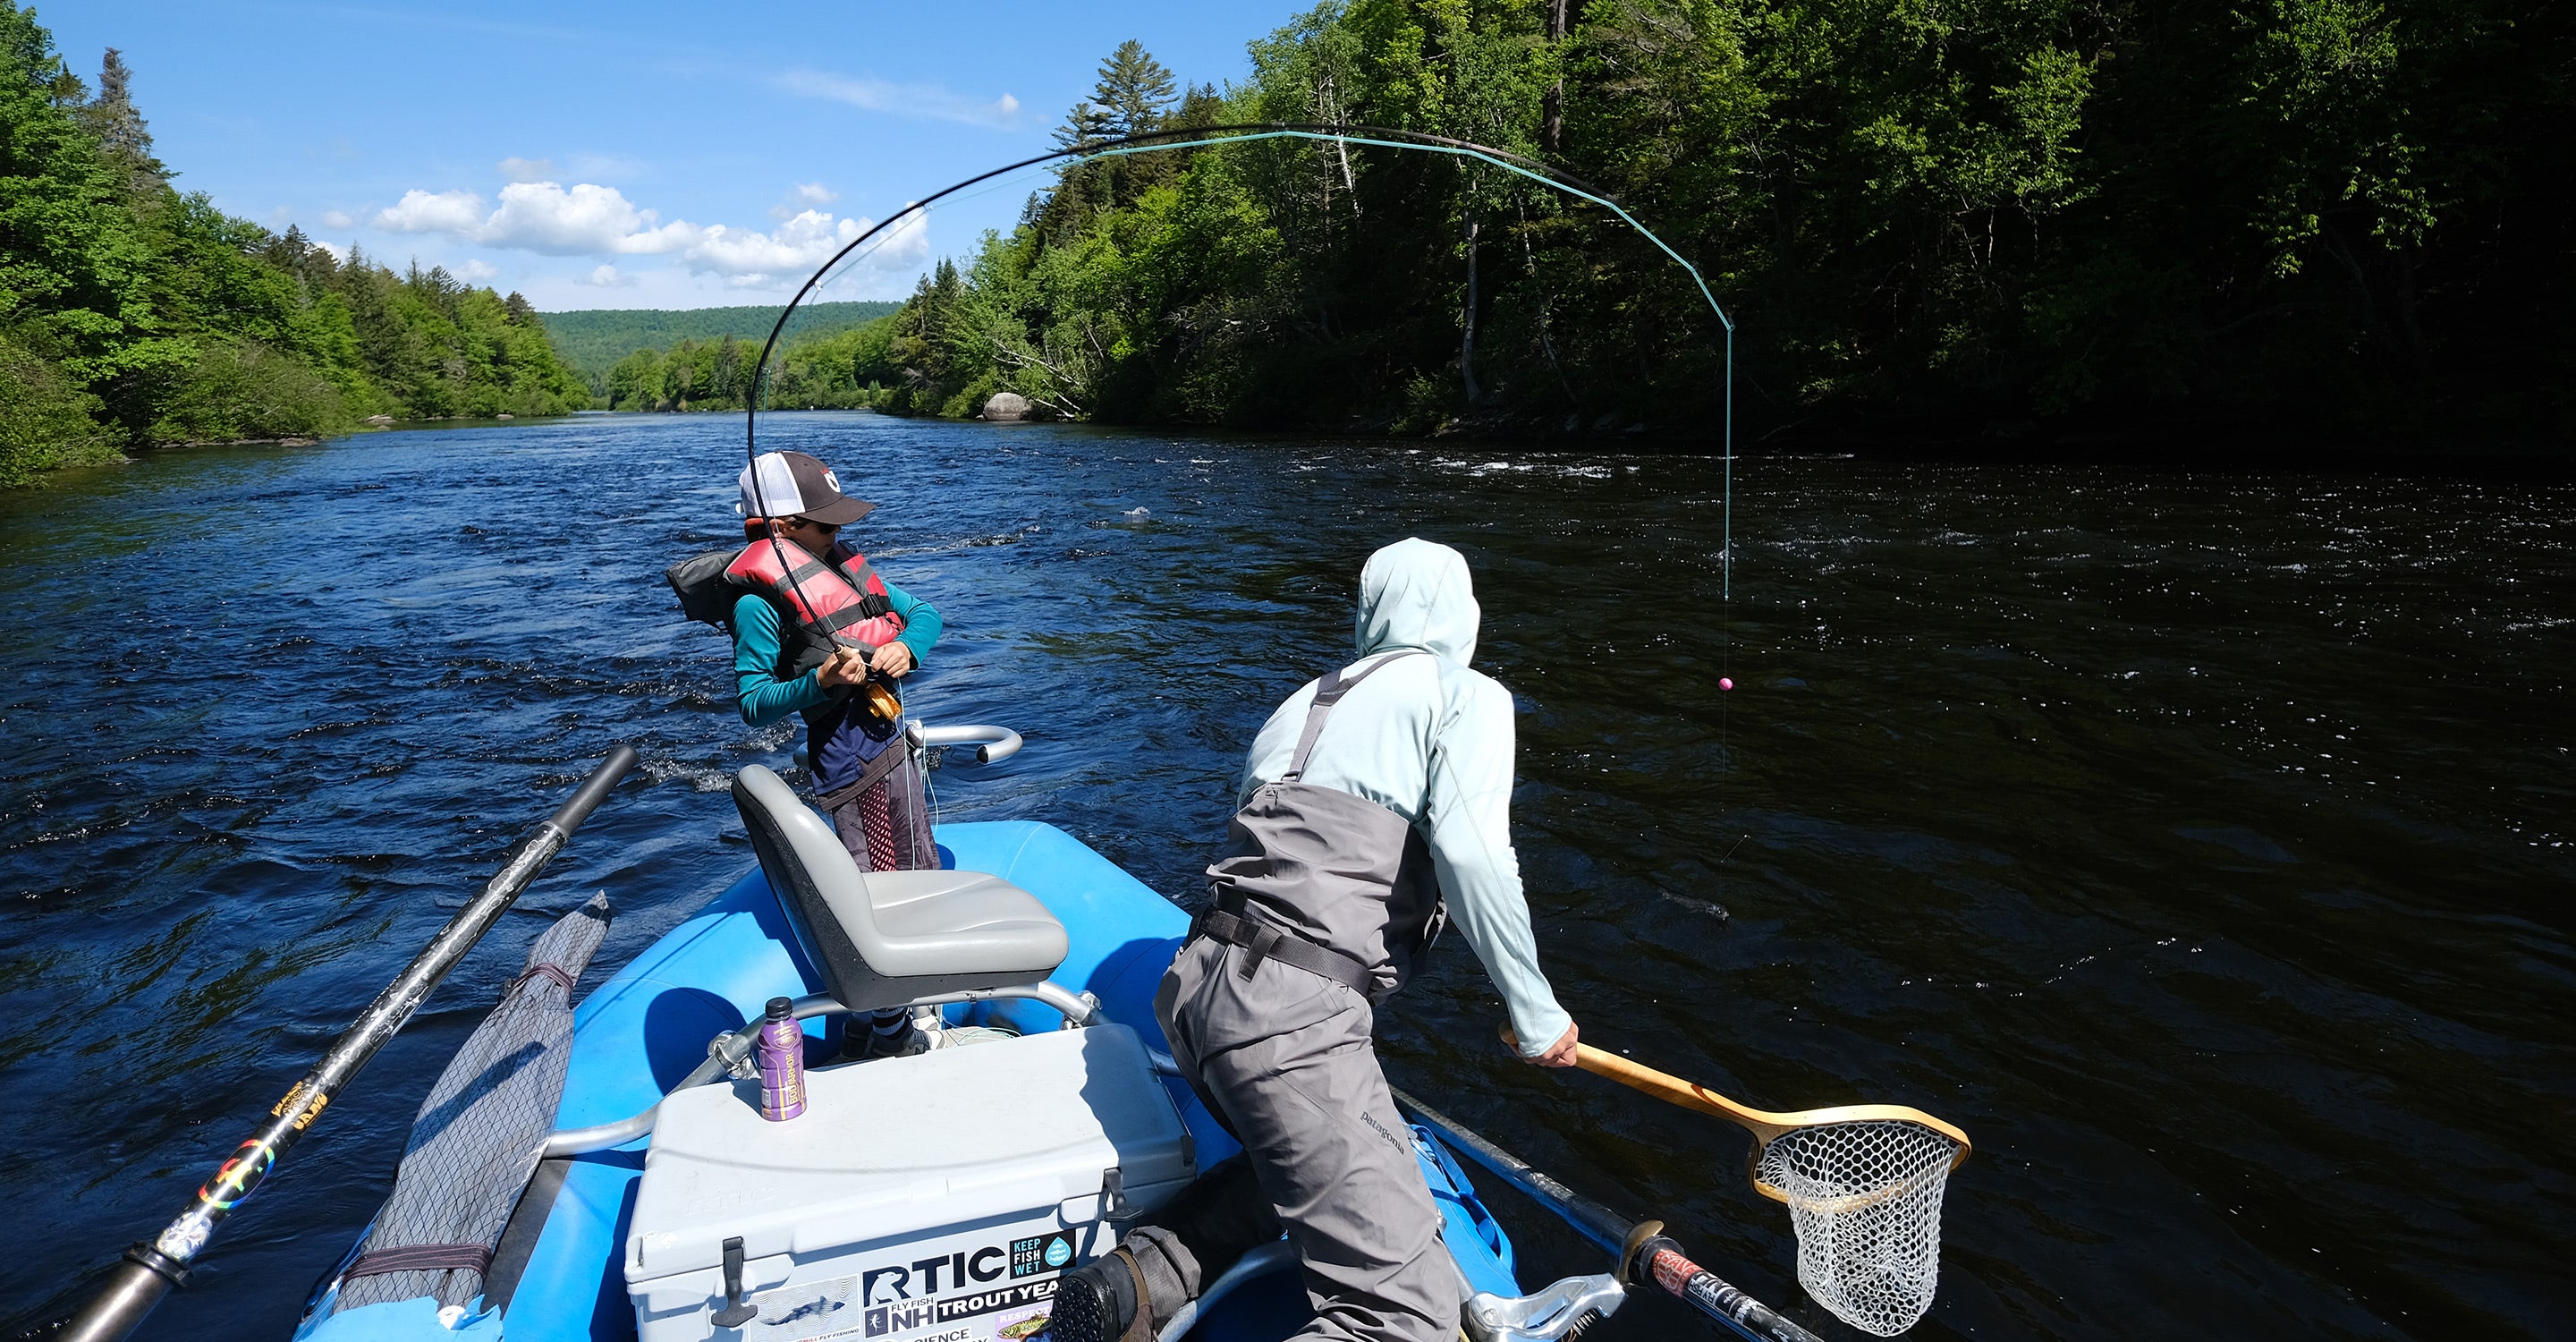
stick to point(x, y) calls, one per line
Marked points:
point(593, 790)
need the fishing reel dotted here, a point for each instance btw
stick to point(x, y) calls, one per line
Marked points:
point(877, 705)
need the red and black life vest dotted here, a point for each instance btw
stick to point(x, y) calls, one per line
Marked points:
point(841, 603)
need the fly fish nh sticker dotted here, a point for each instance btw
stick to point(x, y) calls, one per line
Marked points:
point(881, 1320)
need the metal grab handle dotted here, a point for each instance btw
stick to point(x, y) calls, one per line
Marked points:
point(997, 743)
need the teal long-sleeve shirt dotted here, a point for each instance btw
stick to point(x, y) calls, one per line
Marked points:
point(764, 697)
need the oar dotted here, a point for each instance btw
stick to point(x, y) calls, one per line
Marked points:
point(1766, 1126)
point(150, 1270)
point(1644, 1252)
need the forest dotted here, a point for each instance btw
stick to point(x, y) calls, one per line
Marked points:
point(594, 339)
point(2050, 223)
point(133, 315)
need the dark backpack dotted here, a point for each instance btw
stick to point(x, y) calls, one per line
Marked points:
point(706, 595)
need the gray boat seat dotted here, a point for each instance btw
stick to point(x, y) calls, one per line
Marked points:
point(884, 938)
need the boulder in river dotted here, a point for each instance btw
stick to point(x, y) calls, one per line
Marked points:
point(1007, 405)
point(380, 421)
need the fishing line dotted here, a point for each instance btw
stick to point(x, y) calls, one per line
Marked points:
point(1387, 137)
point(1245, 132)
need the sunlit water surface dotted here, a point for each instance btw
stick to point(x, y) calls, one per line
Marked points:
point(2201, 844)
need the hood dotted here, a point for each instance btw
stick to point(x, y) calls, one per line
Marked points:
point(1415, 594)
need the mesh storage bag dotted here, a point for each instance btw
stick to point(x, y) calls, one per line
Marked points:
point(1865, 1199)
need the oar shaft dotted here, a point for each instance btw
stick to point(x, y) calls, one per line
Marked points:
point(150, 1270)
point(1653, 1258)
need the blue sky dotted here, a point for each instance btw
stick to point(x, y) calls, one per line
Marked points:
point(634, 154)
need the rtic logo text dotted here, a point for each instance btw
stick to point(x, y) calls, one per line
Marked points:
point(926, 1277)
point(883, 1319)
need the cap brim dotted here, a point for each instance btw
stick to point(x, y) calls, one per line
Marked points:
point(840, 512)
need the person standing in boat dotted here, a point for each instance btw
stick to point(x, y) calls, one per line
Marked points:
point(1375, 808)
point(812, 626)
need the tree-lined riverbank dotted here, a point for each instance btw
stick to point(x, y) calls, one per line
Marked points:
point(132, 315)
point(2308, 221)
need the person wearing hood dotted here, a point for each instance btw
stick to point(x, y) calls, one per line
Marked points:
point(1375, 807)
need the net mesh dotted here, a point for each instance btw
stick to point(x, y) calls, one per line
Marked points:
point(1865, 1199)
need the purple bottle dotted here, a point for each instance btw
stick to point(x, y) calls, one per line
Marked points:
point(782, 1063)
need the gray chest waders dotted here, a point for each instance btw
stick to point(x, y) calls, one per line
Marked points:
point(1325, 881)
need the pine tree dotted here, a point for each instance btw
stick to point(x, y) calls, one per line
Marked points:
point(120, 129)
point(1134, 90)
point(1084, 126)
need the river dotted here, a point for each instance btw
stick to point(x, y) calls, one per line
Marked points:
point(2202, 844)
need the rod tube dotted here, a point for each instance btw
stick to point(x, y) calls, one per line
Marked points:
point(1654, 1259)
point(149, 1271)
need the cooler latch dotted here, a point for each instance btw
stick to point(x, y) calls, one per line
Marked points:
point(1114, 1205)
point(737, 1311)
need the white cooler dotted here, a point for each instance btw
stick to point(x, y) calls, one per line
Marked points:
point(934, 1198)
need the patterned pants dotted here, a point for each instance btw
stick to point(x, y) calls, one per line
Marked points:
point(887, 827)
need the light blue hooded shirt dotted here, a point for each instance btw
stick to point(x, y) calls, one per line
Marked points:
point(1431, 740)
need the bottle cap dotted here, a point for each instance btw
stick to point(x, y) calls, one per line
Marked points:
point(782, 1008)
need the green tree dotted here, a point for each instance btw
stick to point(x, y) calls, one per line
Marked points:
point(1133, 92)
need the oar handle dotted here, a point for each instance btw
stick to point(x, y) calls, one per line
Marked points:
point(148, 1272)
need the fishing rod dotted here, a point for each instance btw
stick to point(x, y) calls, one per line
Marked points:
point(148, 1271)
point(1645, 1253)
point(1197, 137)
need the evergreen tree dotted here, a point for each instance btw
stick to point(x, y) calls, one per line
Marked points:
point(1134, 90)
point(1084, 126)
point(111, 118)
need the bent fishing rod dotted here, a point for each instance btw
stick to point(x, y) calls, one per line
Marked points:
point(148, 1271)
point(1645, 1254)
point(1200, 137)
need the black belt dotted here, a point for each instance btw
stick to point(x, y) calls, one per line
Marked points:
point(1260, 941)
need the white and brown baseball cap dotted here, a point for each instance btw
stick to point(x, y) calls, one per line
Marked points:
point(792, 484)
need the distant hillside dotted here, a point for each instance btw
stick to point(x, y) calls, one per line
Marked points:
point(596, 339)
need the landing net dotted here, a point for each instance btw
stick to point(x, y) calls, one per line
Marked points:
point(1865, 1199)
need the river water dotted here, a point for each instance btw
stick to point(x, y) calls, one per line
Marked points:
point(2202, 844)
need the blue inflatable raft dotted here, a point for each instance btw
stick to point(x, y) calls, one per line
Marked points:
point(899, 1211)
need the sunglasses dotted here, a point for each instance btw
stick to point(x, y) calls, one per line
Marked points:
point(827, 528)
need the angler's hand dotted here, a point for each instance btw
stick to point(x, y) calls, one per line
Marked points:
point(846, 667)
point(1558, 1054)
point(894, 659)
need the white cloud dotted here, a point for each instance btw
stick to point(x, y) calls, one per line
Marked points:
point(913, 100)
point(338, 218)
point(606, 277)
point(423, 212)
point(592, 220)
point(338, 252)
point(477, 269)
point(527, 169)
point(801, 197)
point(753, 258)
point(544, 217)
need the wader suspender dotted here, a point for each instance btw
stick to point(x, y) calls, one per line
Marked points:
point(1259, 940)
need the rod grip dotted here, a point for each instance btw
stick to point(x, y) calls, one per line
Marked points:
point(593, 790)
